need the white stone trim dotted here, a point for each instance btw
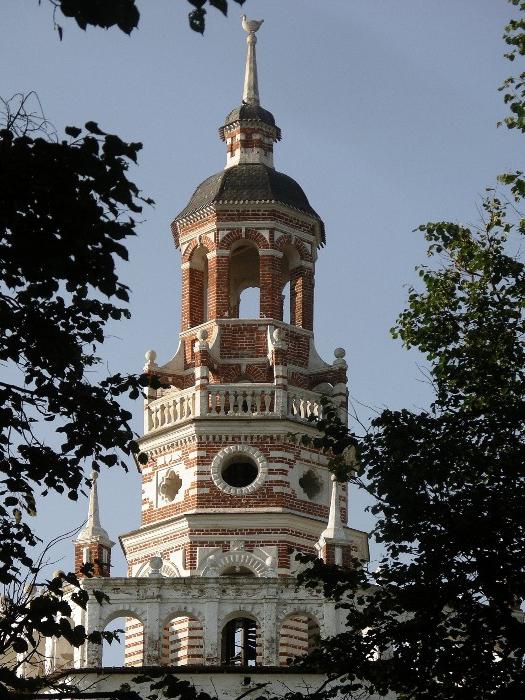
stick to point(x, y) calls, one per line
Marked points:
point(270, 252)
point(242, 450)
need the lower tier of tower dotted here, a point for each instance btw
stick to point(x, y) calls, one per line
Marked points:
point(210, 621)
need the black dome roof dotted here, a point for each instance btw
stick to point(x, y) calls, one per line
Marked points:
point(250, 112)
point(250, 182)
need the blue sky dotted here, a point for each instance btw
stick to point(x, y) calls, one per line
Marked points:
point(388, 110)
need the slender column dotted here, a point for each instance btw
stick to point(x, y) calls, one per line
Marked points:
point(302, 297)
point(218, 285)
point(152, 635)
point(93, 652)
point(211, 630)
point(270, 635)
point(202, 373)
point(271, 284)
point(280, 372)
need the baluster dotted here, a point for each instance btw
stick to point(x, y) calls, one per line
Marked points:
point(269, 396)
point(171, 412)
point(222, 407)
point(258, 400)
point(234, 402)
point(149, 420)
point(302, 407)
point(249, 399)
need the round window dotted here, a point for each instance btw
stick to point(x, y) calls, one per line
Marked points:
point(239, 473)
point(239, 469)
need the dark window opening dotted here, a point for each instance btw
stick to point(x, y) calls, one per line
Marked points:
point(239, 474)
point(239, 642)
point(237, 571)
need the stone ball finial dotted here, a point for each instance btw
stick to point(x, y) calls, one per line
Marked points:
point(155, 565)
point(339, 353)
point(150, 356)
point(202, 335)
point(278, 334)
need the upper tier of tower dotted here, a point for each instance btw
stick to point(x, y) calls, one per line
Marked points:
point(248, 225)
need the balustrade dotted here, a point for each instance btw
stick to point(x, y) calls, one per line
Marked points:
point(219, 400)
point(304, 405)
point(170, 409)
point(244, 400)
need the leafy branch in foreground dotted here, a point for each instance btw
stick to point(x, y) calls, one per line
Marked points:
point(125, 14)
point(440, 617)
point(67, 207)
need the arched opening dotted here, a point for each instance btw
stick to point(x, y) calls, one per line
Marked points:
point(62, 653)
point(129, 649)
point(299, 635)
point(198, 286)
point(285, 296)
point(291, 261)
point(240, 642)
point(244, 280)
point(250, 303)
point(182, 642)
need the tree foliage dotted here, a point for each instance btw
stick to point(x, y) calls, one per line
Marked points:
point(125, 14)
point(440, 618)
point(67, 207)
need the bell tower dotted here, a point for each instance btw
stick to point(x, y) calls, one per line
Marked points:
point(229, 492)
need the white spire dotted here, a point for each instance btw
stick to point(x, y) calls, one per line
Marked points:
point(335, 529)
point(92, 530)
point(250, 94)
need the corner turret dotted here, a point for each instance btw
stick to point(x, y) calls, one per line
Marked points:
point(93, 545)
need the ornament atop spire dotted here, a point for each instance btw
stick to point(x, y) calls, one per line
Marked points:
point(250, 94)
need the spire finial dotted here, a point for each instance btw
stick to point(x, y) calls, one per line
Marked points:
point(250, 94)
point(93, 530)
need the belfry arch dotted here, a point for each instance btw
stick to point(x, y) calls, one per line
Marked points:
point(197, 287)
point(244, 273)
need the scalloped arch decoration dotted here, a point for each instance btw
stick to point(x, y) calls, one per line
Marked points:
point(217, 563)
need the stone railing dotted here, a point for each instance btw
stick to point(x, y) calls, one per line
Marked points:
point(170, 409)
point(241, 400)
point(234, 400)
point(303, 404)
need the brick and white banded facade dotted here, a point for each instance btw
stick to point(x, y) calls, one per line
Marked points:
point(230, 493)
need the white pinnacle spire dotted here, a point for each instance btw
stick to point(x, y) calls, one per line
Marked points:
point(250, 94)
point(334, 530)
point(92, 530)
